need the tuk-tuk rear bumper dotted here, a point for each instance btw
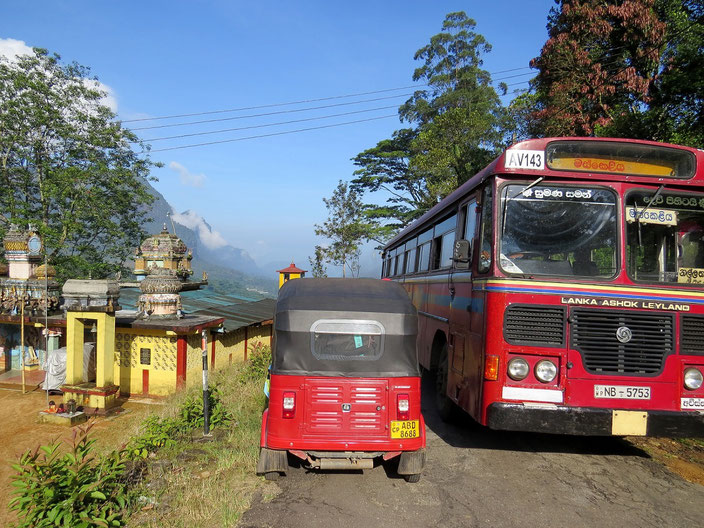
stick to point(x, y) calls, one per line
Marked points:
point(589, 421)
point(329, 443)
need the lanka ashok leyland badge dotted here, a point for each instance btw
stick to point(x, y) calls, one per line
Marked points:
point(624, 334)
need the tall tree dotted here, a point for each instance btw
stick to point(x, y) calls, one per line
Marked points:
point(67, 166)
point(345, 228)
point(457, 125)
point(599, 62)
point(675, 112)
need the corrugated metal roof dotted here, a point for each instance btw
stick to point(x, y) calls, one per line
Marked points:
point(242, 314)
point(237, 311)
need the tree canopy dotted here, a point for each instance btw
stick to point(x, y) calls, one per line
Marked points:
point(68, 167)
point(599, 61)
point(456, 126)
point(346, 229)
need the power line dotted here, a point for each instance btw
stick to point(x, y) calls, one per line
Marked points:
point(275, 133)
point(278, 112)
point(268, 124)
point(303, 101)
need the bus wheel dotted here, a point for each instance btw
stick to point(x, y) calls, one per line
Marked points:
point(445, 406)
point(412, 478)
point(272, 475)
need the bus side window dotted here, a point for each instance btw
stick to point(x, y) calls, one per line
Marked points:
point(486, 231)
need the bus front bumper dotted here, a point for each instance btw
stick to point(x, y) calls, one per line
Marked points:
point(593, 421)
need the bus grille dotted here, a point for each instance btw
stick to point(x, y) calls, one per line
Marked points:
point(594, 336)
point(535, 325)
point(692, 335)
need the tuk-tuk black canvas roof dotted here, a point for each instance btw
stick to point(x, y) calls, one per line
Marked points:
point(303, 303)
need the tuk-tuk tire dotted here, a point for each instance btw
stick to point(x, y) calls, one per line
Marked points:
point(272, 475)
point(445, 406)
point(412, 478)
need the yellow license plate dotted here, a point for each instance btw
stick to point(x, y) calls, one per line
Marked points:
point(405, 429)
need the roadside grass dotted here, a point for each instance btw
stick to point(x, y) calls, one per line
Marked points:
point(206, 483)
point(155, 467)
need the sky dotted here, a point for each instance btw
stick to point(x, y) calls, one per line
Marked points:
point(263, 194)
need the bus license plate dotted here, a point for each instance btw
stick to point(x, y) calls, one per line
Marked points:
point(696, 404)
point(621, 392)
point(405, 429)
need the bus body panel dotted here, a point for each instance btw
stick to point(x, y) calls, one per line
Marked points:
point(597, 388)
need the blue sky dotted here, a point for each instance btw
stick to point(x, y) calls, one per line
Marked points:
point(162, 58)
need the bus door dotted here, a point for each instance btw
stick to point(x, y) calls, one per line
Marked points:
point(465, 341)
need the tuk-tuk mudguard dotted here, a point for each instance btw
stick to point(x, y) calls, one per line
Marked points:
point(272, 460)
point(262, 437)
point(411, 462)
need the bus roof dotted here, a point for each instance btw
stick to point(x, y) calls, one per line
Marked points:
point(581, 158)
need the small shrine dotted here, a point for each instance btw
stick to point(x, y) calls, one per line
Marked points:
point(28, 289)
point(91, 302)
point(164, 250)
point(24, 279)
point(292, 272)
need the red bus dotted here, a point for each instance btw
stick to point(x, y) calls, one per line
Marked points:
point(561, 289)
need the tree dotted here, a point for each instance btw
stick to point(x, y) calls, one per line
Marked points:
point(345, 227)
point(317, 263)
point(675, 112)
point(457, 127)
point(599, 63)
point(461, 122)
point(68, 167)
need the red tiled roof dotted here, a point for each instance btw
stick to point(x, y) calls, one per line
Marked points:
point(291, 269)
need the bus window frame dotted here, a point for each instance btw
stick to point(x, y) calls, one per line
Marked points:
point(624, 233)
point(488, 193)
point(462, 217)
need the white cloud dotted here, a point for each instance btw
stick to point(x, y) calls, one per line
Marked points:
point(187, 177)
point(12, 48)
point(211, 239)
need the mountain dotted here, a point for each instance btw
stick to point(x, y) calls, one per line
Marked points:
point(229, 269)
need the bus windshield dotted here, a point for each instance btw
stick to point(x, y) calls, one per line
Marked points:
point(560, 231)
point(665, 237)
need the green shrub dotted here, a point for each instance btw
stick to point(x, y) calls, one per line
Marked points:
point(71, 489)
point(192, 409)
point(156, 433)
point(257, 365)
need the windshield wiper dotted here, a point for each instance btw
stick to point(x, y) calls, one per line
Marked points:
point(509, 198)
point(640, 214)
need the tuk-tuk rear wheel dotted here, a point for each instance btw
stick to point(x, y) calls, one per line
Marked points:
point(412, 478)
point(445, 406)
point(272, 475)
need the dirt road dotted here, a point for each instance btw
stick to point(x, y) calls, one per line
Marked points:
point(479, 478)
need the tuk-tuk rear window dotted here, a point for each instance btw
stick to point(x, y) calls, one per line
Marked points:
point(346, 339)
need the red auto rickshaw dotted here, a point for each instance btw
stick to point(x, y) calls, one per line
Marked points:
point(345, 382)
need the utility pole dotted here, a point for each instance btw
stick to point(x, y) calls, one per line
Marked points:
point(206, 391)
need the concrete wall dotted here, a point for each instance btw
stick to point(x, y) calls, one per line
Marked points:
point(160, 377)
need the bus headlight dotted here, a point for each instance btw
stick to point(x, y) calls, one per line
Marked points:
point(518, 369)
point(693, 378)
point(545, 371)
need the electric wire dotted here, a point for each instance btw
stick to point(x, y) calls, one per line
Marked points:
point(274, 134)
point(303, 101)
point(151, 140)
point(278, 112)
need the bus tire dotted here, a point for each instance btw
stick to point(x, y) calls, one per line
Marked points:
point(445, 406)
point(412, 478)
